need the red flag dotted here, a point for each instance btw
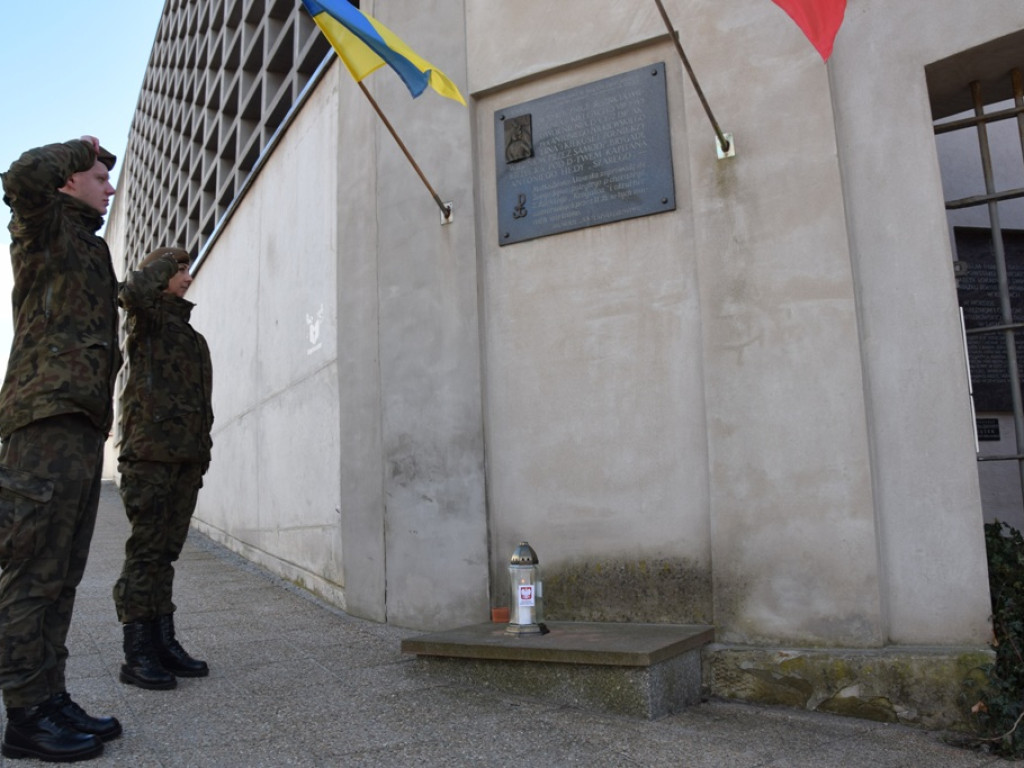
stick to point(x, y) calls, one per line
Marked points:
point(819, 19)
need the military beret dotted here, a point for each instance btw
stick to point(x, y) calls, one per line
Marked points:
point(106, 158)
point(179, 255)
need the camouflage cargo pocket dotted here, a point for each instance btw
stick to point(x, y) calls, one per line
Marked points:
point(23, 523)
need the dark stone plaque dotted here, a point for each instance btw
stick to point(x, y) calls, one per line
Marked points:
point(978, 292)
point(590, 155)
point(988, 429)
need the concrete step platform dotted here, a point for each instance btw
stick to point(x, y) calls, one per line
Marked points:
point(640, 670)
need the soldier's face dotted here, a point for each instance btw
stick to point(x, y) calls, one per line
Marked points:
point(180, 282)
point(92, 187)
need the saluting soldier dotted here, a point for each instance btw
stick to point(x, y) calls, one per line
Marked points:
point(55, 414)
point(166, 418)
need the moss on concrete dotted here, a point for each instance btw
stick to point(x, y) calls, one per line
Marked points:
point(655, 591)
point(915, 686)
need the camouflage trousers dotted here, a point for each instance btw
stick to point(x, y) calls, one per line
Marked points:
point(50, 479)
point(159, 499)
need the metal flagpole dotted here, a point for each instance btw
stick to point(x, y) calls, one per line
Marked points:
point(724, 142)
point(446, 210)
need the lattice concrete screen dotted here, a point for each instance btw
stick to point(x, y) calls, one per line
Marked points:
point(221, 79)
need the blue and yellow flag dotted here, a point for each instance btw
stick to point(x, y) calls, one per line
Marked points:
point(365, 45)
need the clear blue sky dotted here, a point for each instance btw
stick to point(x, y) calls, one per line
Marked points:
point(70, 68)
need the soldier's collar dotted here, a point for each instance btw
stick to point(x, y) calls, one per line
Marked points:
point(88, 215)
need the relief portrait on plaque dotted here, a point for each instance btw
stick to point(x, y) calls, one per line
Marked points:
point(518, 138)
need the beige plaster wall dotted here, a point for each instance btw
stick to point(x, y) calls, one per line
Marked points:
point(272, 491)
point(927, 499)
point(750, 411)
point(352, 462)
point(430, 415)
point(714, 385)
point(747, 447)
point(595, 403)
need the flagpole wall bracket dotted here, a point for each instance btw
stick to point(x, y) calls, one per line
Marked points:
point(730, 149)
point(448, 213)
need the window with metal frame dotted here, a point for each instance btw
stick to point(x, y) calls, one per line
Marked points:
point(981, 152)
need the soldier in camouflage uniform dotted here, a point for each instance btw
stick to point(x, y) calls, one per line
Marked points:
point(55, 413)
point(165, 451)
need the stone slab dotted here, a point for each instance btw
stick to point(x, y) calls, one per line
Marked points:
point(631, 645)
point(638, 670)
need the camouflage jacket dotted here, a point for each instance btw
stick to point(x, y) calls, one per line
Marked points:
point(165, 406)
point(64, 357)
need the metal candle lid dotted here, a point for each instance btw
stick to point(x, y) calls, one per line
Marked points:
point(524, 555)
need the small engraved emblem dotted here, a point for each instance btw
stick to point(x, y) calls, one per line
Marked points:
point(519, 212)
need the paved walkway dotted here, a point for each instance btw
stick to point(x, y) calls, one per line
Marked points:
point(294, 682)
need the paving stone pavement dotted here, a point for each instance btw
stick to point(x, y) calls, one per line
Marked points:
point(296, 682)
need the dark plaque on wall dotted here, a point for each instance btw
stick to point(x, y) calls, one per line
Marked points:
point(589, 155)
point(977, 286)
point(987, 429)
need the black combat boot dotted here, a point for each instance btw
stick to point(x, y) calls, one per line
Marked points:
point(172, 656)
point(106, 728)
point(42, 732)
point(141, 664)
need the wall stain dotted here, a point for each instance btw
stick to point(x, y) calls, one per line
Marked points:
point(653, 590)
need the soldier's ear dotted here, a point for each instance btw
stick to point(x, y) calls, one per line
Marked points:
point(69, 185)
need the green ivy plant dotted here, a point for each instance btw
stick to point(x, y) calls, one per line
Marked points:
point(999, 709)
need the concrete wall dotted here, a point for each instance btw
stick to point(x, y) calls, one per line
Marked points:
point(595, 405)
point(431, 421)
point(266, 302)
point(926, 482)
point(750, 411)
point(801, 297)
point(686, 389)
point(342, 322)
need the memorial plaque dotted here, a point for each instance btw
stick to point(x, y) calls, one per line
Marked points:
point(589, 155)
point(978, 293)
point(987, 429)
